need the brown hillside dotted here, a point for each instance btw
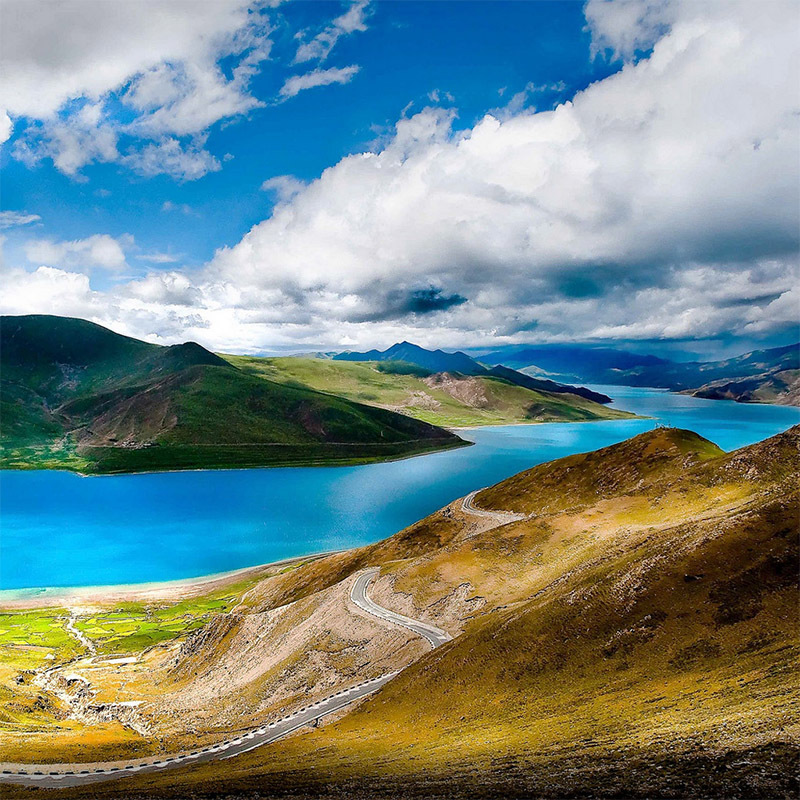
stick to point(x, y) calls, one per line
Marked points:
point(634, 640)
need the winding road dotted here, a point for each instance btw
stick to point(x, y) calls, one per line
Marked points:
point(358, 594)
point(63, 775)
point(501, 517)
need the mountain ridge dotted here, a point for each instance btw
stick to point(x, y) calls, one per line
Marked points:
point(440, 361)
point(78, 396)
point(770, 375)
point(450, 399)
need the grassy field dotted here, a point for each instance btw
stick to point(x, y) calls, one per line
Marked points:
point(34, 720)
point(33, 638)
point(459, 402)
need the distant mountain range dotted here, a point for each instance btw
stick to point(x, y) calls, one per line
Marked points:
point(448, 398)
point(770, 376)
point(438, 361)
point(77, 396)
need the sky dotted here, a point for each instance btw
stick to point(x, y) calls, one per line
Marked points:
point(288, 176)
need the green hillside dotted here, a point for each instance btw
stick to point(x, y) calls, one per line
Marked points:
point(434, 361)
point(447, 399)
point(75, 395)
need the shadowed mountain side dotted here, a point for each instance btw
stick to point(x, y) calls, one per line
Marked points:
point(761, 376)
point(781, 386)
point(77, 396)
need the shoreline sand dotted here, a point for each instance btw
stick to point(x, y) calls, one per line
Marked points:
point(45, 597)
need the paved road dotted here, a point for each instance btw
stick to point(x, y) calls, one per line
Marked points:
point(358, 594)
point(63, 775)
point(503, 517)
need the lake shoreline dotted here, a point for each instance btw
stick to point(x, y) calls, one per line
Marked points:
point(173, 590)
point(59, 530)
point(344, 462)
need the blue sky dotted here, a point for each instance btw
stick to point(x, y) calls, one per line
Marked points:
point(480, 53)
point(146, 160)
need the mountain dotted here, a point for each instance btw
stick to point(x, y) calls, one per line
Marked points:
point(78, 396)
point(433, 360)
point(632, 634)
point(450, 399)
point(763, 376)
point(781, 387)
point(544, 385)
point(760, 376)
point(437, 361)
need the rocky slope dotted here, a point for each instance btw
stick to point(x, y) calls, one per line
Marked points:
point(632, 634)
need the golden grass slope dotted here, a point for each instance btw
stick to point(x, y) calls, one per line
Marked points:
point(635, 636)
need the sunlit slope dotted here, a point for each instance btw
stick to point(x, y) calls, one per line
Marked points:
point(76, 395)
point(449, 399)
point(640, 640)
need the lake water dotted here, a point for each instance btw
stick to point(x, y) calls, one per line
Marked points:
point(59, 529)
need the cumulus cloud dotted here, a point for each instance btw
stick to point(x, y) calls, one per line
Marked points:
point(320, 46)
point(55, 290)
point(70, 143)
point(660, 202)
point(64, 63)
point(561, 219)
point(100, 250)
point(166, 288)
point(623, 27)
point(6, 127)
point(284, 187)
point(318, 77)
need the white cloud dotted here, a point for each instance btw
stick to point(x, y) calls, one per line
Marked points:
point(71, 145)
point(170, 157)
point(284, 187)
point(13, 219)
point(319, 48)
point(659, 202)
point(61, 63)
point(319, 77)
point(165, 288)
point(684, 160)
point(100, 250)
point(49, 290)
point(622, 27)
point(6, 127)
point(158, 258)
point(437, 96)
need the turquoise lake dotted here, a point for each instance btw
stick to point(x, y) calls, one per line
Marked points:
point(59, 529)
